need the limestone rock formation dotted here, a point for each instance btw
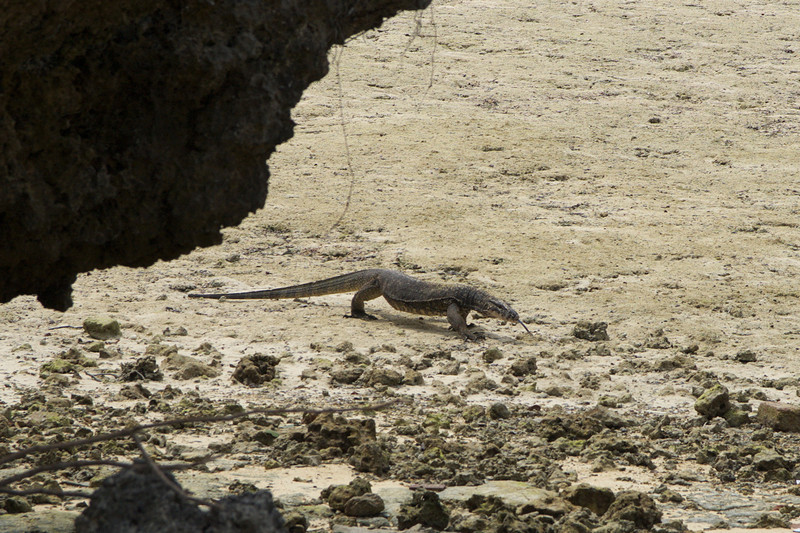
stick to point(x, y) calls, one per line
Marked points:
point(133, 130)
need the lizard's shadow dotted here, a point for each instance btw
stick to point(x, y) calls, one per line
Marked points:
point(432, 323)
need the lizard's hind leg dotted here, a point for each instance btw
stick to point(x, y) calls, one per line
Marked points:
point(367, 292)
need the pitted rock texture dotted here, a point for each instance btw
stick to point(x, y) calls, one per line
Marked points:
point(133, 131)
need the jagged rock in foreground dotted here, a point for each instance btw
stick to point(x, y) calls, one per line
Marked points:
point(136, 500)
point(132, 131)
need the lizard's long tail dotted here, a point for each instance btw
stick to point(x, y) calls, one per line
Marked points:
point(335, 285)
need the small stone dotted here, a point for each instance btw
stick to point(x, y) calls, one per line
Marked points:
point(498, 411)
point(672, 496)
point(95, 346)
point(344, 346)
point(265, 436)
point(346, 374)
point(296, 522)
point(746, 356)
point(673, 362)
point(369, 504)
point(547, 503)
point(769, 460)
point(188, 367)
point(713, 402)
point(382, 376)
point(596, 499)
point(779, 416)
point(491, 355)
point(254, 370)
point(772, 521)
point(134, 392)
point(196, 369)
point(16, 505)
point(523, 367)
point(144, 368)
point(308, 373)
point(591, 331)
point(337, 496)
point(425, 509)
point(736, 417)
point(413, 377)
point(102, 328)
point(370, 457)
point(657, 340)
point(635, 507)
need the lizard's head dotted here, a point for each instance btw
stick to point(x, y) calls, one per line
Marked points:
point(494, 308)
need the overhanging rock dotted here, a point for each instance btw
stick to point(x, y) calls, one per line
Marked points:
point(133, 130)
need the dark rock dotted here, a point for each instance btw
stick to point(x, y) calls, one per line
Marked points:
point(370, 457)
point(523, 367)
point(635, 507)
point(425, 509)
point(296, 522)
point(16, 505)
point(337, 496)
point(596, 499)
point(346, 374)
point(134, 392)
point(365, 505)
point(779, 416)
point(617, 526)
point(772, 521)
point(485, 505)
point(412, 377)
point(382, 376)
point(118, 120)
point(591, 331)
point(746, 356)
point(498, 411)
point(138, 500)
point(254, 370)
point(351, 437)
point(548, 503)
point(469, 523)
point(769, 460)
point(491, 355)
point(736, 417)
point(578, 521)
point(676, 361)
point(713, 402)
point(144, 368)
point(657, 340)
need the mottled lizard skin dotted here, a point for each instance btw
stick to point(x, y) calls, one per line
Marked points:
point(401, 291)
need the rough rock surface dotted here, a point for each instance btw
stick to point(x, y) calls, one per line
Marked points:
point(139, 501)
point(132, 131)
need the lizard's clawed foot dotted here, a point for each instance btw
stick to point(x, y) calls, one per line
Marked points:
point(470, 335)
point(362, 315)
point(476, 336)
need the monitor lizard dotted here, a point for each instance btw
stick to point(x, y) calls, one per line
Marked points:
point(401, 291)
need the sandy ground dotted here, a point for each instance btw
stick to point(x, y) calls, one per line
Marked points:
point(628, 162)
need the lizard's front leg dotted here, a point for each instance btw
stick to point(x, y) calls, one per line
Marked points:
point(458, 321)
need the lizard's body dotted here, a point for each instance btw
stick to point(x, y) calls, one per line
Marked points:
point(401, 291)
